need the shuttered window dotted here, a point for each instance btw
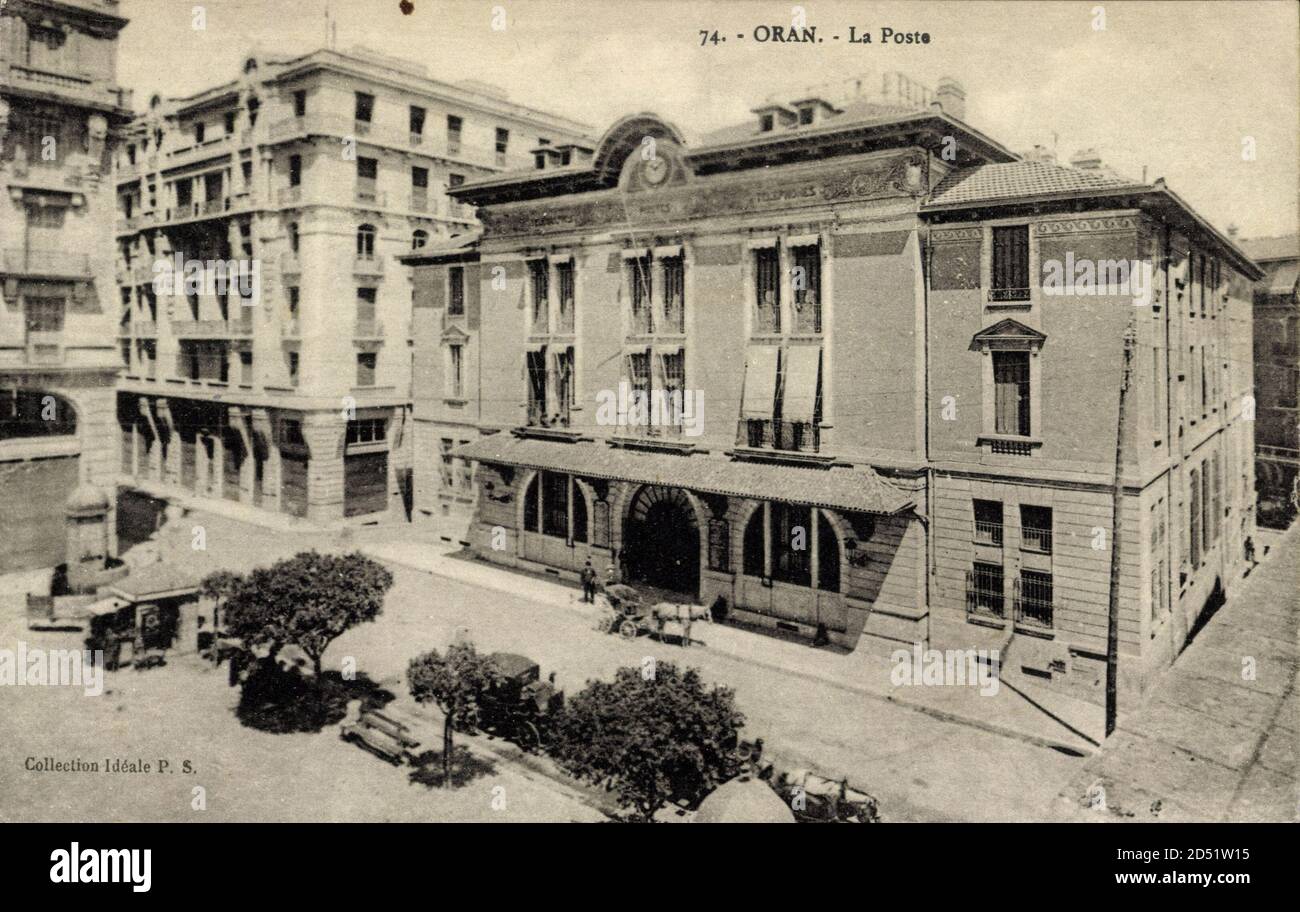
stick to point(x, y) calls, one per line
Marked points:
point(1011, 263)
point(1011, 392)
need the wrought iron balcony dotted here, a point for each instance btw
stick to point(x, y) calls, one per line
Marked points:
point(768, 434)
point(1005, 295)
point(212, 329)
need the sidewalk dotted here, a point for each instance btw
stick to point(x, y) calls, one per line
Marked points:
point(1070, 726)
point(1219, 737)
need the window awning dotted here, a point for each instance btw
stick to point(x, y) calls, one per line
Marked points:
point(760, 382)
point(802, 367)
point(847, 488)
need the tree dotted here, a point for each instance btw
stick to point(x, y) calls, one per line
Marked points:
point(309, 600)
point(655, 735)
point(455, 682)
point(219, 586)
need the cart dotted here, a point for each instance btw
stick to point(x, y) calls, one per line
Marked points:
point(629, 616)
point(816, 799)
point(518, 706)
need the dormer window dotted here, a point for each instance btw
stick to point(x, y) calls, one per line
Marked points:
point(805, 115)
point(766, 123)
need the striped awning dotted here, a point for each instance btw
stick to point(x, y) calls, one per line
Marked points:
point(850, 488)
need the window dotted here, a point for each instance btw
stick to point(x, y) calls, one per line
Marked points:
point(1034, 599)
point(455, 383)
point(453, 133)
point(1194, 517)
point(1011, 393)
point(538, 283)
point(536, 365)
point(988, 522)
point(791, 544)
point(791, 541)
point(1010, 273)
point(366, 368)
point(555, 504)
point(640, 280)
point(984, 590)
point(23, 413)
point(367, 172)
point(767, 288)
point(674, 294)
point(806, 280)
point(291, 364)
point(456, 291)
point(445, 447)
point(295, 170)
point(44, 314)
point(503, 140)
point(229, 123)
point(246, 368)
point(417, 122)
point(367, 430)
point(293, 237)
point(419, 186)
point(300, 103)
point(766, 123)
point(564, 296)
point(805, 116)
point(455, 180)
point(365, 107)
point(564, 388)
point(293, 302)
point(365, 306)
point(419, 238)
point(366, 242)
point(200, 129)
point(1207, 508)
point(1036, 528)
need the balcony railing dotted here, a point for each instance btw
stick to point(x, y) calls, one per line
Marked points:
point(368, 329)
point(212, 329)
point(368, 266)
point(1039, 540)
point(988, 532)
point(807, 317)
point(84, 88)
point(1008, 294)
point(790, 436)
point(367, 192)
point(767, 318)
point(47, 262)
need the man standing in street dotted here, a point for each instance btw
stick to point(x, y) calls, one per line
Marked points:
point(588, 583)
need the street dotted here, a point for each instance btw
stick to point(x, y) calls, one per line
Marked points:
point(918, 766)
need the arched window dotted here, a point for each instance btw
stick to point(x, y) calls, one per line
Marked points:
point(366, 242)
point(791, 537)
point(552, 515)
point(35, 413)
point(419, 238)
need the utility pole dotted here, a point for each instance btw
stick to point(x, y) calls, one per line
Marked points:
point(1117, 496)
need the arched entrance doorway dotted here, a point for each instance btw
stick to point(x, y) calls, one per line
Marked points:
point(661, 540)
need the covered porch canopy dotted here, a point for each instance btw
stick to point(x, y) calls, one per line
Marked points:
point(847, 488)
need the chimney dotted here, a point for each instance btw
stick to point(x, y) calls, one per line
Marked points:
point(1039, 153)
point(952, 96)
point(1086, 160)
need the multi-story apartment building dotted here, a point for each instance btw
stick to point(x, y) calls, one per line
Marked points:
point(60, 108)
point(292, 393)
point(880, 418)
point(1277, 376)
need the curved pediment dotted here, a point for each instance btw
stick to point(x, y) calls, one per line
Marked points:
point(629, 136)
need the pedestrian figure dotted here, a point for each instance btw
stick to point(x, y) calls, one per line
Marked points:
point(588, 582)
point(1250, 550)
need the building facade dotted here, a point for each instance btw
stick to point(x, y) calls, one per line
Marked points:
point(818, 373)
point(60, 110)
point(1277, 376)
point(289, 389)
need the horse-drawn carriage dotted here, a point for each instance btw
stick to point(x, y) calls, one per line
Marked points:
point(518, 706)
point(816, 799)
point(629, 616)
